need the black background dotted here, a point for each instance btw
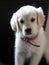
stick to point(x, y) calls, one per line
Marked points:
point(6, 34)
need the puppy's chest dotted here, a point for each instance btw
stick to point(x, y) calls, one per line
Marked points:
point(31, 49)
point(26, 47)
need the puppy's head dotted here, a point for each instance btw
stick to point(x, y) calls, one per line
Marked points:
point(28, 20)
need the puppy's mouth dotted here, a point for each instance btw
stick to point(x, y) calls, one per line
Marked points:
point(28, 34)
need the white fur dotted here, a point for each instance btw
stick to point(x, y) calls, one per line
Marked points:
point(22, 49)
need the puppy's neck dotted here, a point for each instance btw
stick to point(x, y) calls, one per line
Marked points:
point(30, 40)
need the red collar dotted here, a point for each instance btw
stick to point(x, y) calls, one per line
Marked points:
point(27, 39)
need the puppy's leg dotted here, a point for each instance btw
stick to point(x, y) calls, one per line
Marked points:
point(19, 58)
point(35, 60)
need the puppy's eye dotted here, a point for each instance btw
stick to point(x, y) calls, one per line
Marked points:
point(32, 19)
point(22, 21)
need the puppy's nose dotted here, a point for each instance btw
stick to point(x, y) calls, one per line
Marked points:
point(28, 31)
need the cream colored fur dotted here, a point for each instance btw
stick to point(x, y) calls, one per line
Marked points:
point(22, 49)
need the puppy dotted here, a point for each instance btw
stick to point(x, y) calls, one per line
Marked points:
point(30, 41)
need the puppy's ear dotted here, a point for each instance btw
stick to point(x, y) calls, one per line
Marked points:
point(13, 22)
point(40, 16)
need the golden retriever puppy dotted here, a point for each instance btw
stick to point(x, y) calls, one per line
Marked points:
point(30, 41)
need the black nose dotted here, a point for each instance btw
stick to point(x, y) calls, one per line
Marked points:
point(28, 31)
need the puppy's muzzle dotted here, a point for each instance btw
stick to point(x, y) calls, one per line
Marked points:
point(28, 31)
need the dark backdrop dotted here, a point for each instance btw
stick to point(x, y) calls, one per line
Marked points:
point(6, 34)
